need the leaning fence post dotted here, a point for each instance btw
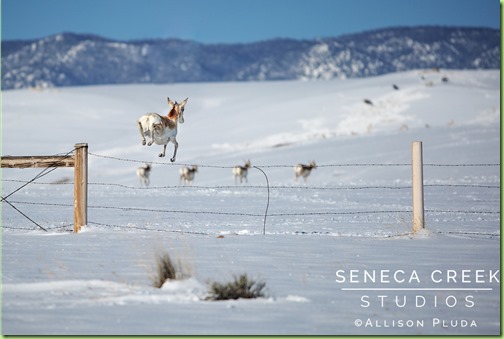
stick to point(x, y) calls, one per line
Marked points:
point(418, 195)
point(80, 186)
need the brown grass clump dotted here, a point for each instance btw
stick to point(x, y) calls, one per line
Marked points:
point(167, 270)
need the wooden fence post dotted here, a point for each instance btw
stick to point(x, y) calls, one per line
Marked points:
point(418, 195)
point(80, 186)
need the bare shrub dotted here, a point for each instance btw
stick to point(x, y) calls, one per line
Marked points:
point(240, 287)
point(166, 270)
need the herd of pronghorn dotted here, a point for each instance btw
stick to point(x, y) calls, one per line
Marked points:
point(163, 129)
point(240, 173)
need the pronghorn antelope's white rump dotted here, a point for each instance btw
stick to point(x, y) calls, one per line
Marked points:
point(143, 173)
point(304, 171)
point(241, 172)
point(162, 129)
point(187, 174)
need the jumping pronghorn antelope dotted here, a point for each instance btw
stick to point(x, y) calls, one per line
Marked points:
point(304, 171)
point(241, 172)
point(187, 174)
point(162, 129)
point(143, 174)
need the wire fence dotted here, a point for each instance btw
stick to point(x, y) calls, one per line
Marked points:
point(317, 188)
point(398, 213)
point(291, 165)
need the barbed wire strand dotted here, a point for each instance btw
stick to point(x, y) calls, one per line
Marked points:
point(129, 226)
point(140, 209)
point(148, 229)
point(469, 233)
point(288, 187)
point(282, 166)
point(461, 212)
point(257, 186)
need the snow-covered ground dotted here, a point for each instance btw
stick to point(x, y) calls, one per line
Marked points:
point(323, 239)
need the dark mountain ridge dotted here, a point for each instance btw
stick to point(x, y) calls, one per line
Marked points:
point(70, 59)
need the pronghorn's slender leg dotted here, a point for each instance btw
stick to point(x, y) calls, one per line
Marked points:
point(164, 151)
point(175, 150)
point(151, 134)
point(141, 133)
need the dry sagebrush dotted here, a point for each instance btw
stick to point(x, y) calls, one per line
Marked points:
point(239, 287)
point(167, 270)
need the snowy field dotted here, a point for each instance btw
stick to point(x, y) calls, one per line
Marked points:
point(323, 240)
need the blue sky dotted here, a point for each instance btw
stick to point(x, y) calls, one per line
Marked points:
point(231, 21)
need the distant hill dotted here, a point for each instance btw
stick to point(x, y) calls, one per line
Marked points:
point(69, 59)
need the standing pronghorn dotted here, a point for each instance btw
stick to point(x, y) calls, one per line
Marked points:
point(304, 171)
point(162, 129)
point(143, 173)
point(187, 174)
point(241, 172)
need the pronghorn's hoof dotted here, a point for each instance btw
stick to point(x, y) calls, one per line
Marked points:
point(161, 155)
point(143, 142)
point(150, 143)
point(172, 159)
